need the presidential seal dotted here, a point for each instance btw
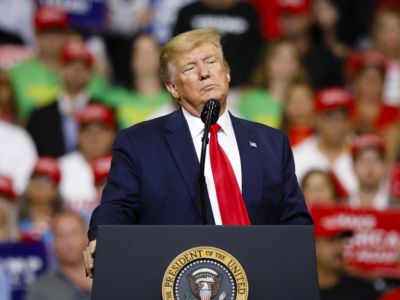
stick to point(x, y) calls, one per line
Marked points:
point(205, 273)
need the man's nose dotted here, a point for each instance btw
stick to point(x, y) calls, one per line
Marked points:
point(203, 71)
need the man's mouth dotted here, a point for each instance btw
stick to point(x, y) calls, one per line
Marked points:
point(208, 87)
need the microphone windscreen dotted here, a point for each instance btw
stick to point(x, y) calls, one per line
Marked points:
point(212, 107)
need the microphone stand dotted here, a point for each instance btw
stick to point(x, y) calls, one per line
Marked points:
point(209, 116)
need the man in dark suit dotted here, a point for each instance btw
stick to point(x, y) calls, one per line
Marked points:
point(155, 165)
point(54, 128)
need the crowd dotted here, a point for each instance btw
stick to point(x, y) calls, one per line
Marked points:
point(72, 73)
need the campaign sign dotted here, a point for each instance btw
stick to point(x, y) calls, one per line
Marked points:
point(374, 248)
point(23, 263)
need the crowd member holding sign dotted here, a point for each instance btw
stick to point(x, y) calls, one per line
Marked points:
point(155, 166)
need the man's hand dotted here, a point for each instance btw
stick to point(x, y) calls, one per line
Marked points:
point(88, 255)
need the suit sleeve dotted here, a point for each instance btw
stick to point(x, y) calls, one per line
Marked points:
point(294, 210)
point(121, 196)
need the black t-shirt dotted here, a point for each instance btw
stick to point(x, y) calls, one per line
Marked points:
point(350, 288)
point(240, 29)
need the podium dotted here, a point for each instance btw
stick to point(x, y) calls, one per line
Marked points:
point(179, 262)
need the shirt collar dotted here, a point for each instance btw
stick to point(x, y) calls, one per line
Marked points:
point(196, 125)
point(67, 106)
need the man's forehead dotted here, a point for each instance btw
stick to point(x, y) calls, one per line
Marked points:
point(198, 51)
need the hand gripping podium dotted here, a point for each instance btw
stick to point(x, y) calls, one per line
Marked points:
point(173, 262)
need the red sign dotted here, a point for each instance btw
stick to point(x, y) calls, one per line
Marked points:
point(374, 248)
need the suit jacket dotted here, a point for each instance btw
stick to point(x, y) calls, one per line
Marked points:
point(45, 127)
point(155, 170)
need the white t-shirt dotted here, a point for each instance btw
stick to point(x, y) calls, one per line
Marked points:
point(77, 186)
point(17, 155)
point(308, 156)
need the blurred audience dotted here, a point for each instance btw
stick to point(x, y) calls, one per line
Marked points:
point(239, 24)
point(53, 127)
point(370, 167)
point(68, 281)
point(299, 112)
point(97, 129)
point(17, 155)
point(36, 80)
point(328, 148)
point(41, 201)
point(145, 98)
point(8, 105)
point(334, 283)
point(386, 39)
point(320, 187)
point(8, 217)
point(280, 65)
point(366, 71)
point(16, 22)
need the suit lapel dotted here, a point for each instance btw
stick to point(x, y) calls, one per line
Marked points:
point(252, 175)
point(181, 145)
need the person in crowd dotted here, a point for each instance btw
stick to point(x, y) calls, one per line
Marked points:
point(8, 105)
point(386, 39)
point(17, 154)
point(53, 127)
point(366, 72)
point(370, 167)
point(97, 129)
point(41, 201)
point(8, 217)
point(328, 148)
point(68, 281)
point(321, 187)
point(299, 112)
point(155, 166)
point(239, 24)
point(126, 18)
point(100, 169)
point(146, 97)
point(280, 66)
point(334, 283)
point(36, 80)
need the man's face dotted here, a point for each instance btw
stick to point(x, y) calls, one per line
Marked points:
point(95, 139)
point(69, 240)
point(330, 253)
point(198, 75)
point(333, 127)
point(370, 168)
point(76, 75)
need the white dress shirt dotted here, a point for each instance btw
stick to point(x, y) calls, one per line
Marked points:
point(227, 140)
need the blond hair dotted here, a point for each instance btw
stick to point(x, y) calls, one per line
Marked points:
point(184, 42)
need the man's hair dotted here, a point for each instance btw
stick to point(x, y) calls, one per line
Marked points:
point(184, 42)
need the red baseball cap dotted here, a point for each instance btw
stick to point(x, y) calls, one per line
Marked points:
point(76, 51)
point(49, 17)
point(6, 187)
point(48, 166)
point(101, 167)
point(96, 112)
point(364, 59)
point(294, 6)
point(333, 98)
point(367, 141)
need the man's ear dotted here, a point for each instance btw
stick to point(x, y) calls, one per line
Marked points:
point(172, 89)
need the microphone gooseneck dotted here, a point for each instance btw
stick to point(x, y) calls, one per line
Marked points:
point(209, 116)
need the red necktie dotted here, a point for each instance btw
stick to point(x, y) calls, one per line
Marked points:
point(230, 200)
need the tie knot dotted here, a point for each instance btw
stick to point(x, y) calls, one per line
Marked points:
point(214, 128)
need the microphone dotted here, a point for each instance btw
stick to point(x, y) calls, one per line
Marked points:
point(210, 113)
point(209, 116)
